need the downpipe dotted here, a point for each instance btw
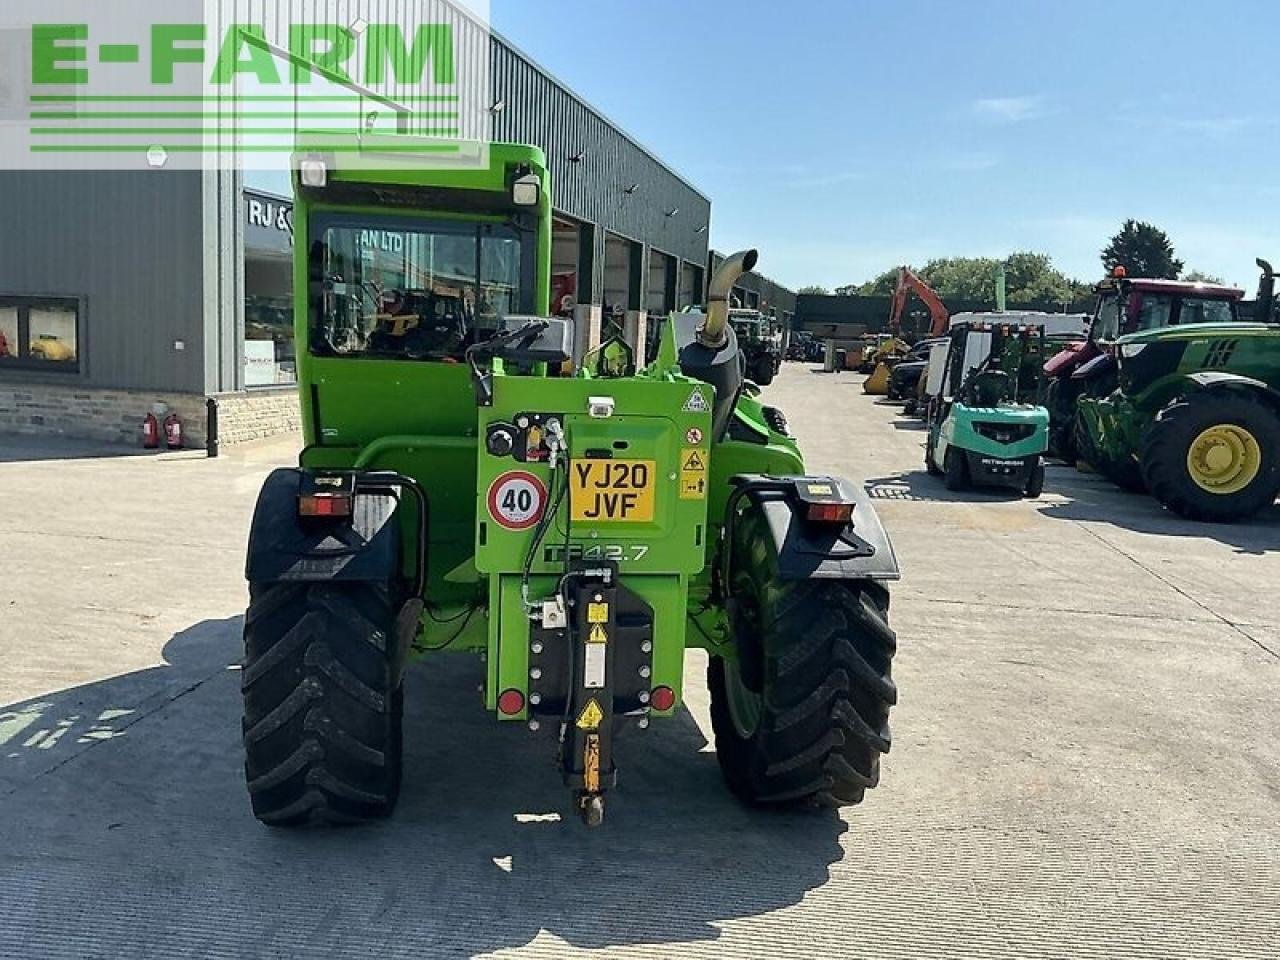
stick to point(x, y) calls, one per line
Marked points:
point(713, 334)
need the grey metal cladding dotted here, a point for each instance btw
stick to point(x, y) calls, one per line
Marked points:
point(539, 109)
point(127, 242)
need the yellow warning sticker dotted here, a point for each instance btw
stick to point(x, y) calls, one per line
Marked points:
point(693, 460)
point(820, 490)
point(590, 717)
point(693, 474)
point(597, 634)
point(597, 613)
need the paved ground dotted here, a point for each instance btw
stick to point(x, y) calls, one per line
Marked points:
point(1085, 762)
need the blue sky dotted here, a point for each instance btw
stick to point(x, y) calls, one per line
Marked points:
point(843, 138)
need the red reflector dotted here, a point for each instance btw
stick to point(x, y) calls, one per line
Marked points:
point(510, 702)
point(662, 698)
point(324, 505)
point(830, 512)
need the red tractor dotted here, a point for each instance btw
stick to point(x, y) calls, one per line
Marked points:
point(1124, 305)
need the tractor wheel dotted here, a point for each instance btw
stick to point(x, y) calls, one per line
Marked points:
point(955, 470)
point(762, 372)
point(803, 713)
point(322, 709)
point(1213, 456)
point(1035, 482)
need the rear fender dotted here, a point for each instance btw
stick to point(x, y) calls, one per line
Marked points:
point(364, 547)
point(812, 551)
point(1219, 380)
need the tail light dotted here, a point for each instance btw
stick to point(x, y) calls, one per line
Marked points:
point(324, 505)
point(510, 702)
point(830, 512)
point(662, 698)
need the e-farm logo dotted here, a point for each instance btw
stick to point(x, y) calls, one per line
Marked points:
point(60, 53)
point(256, 79)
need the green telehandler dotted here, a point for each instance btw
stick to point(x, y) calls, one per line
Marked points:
point(1196, 413)
point(459, 492)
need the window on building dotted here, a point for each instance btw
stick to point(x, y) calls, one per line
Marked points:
point(40, 333)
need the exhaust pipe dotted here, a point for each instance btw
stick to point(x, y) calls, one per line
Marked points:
point(1266, 291)
point(712, 333)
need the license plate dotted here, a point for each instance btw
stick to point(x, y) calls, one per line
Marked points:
point(615, 491)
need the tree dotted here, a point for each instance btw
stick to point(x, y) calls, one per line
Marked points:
point(815, 288)
point(1029, 278)
point(1199, 276)
point(1143, 250)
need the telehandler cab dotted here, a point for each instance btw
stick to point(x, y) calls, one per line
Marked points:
point(458, 493)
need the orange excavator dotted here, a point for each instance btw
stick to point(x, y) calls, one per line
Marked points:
point(887, 355)
point(909, 283)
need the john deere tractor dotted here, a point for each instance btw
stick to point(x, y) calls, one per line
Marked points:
point(457, 492)
point(1196, 414)
point(1087, 367)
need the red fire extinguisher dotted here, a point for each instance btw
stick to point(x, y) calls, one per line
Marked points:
point(150, 432)
point(173, 432)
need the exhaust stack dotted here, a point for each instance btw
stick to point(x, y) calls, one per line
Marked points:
point(1266, 292)
point(712, 332)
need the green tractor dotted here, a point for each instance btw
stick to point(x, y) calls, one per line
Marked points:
point(983, 428)
point(761, 348)
point(1195, 415)
point(1087, 368)
point(459, 492)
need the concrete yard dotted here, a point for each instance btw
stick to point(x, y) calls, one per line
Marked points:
point(1086, 757)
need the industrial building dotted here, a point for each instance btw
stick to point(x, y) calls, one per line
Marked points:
point(123, 290)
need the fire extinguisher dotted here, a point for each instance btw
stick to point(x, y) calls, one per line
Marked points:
point(150, 432)
point(173, 432)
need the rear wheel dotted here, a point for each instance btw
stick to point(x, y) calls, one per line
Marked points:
point(322, 703)
point(1213, 456)
point(803, 713)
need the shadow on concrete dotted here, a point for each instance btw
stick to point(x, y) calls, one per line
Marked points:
point(918, 485)
point(1093, 499)
point(19, 448)
point(142, 793)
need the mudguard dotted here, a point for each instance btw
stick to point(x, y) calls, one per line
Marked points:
point(812, 551)
point(1220, 380)
point(284, 547)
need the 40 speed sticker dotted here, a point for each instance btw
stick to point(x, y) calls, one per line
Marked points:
point(517, 499)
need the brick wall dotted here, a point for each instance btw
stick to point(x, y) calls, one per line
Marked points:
point(115, 416)
point(253, 416)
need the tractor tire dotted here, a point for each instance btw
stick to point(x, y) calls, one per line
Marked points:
point(803, 716)
point(762, 372)
point(323, 707)
point(1062, 440)
point(1203, 421)
point(955, 470)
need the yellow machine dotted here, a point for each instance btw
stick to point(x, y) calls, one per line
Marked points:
point(888, 355)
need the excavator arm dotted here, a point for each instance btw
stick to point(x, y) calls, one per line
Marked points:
point(909, 283)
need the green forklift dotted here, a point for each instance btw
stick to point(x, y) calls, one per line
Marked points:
point(987, 424)
point(459, 493)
